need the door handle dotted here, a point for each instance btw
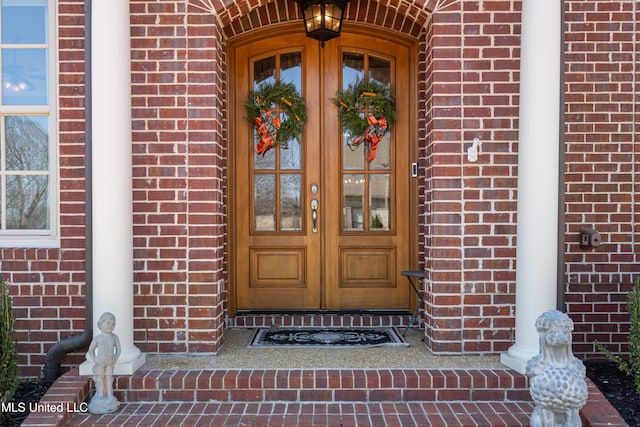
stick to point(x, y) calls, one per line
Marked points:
point(314, 215)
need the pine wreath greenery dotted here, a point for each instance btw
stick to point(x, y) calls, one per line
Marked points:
point(374, 98)
point(263, 111)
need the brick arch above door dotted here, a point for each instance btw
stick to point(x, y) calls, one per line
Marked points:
point(407, 17)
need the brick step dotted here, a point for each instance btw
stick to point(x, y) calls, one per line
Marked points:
point(309, 414)
point(320, 319)
point(323, 385)
point(513, 409)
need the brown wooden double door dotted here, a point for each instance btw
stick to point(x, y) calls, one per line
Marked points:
point(316, 225)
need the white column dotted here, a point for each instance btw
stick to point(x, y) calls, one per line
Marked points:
point(538, 164)
point(112, 177)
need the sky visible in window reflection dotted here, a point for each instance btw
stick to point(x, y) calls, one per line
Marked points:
point(24, 24)
point(24, 55)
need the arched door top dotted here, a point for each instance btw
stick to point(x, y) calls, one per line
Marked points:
point(408, 17)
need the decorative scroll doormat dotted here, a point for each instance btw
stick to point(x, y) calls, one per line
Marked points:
point(327, 337)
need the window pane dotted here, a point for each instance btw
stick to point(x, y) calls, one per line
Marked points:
point(27, 202)
point(24, 24)
point(352, 157)
point(27, 143)
point(26, 140)
point(264, 70)
point(353, 203)
point(24, 77)
point(380, 202)
point(291, 69)
point(383, 154)
point(264, 202)
point(332, 16)
point(260, 161)
point(291, 72)
point(352, 68)
point(291, 202)
point(379, 70)
point(290, 157)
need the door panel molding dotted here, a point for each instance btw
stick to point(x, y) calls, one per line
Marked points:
point(362, 267)
point(272, 266)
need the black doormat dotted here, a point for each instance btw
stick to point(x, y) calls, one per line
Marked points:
point(327, 337)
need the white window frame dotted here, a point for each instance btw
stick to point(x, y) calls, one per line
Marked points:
point(49, 238)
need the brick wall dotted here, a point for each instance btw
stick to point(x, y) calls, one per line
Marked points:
point(179, 146)
point(601, 170)
point(468, 84)
point(490, 72)
point(469, 208)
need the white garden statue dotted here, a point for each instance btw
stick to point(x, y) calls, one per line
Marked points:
point(104, 351)
point(557, 387)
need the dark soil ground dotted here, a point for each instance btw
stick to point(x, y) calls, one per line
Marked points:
point(617, 387)
point(26, 393)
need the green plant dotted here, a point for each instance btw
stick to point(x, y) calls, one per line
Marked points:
point(632, 366)
point(8, 353)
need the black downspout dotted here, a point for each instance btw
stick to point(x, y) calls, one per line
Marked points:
point(58, 350)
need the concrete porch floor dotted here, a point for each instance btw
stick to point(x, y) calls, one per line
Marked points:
point(241, 386)
point(235, 354)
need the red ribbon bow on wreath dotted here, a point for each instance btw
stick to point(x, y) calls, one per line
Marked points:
point(373, 135)
point(267, 127)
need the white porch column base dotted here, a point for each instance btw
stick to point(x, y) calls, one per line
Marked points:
point(517, 359)
point(538, 175)
point(112, 186)
point(127, 364)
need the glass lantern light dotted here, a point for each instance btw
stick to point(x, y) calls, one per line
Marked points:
point(323, 18)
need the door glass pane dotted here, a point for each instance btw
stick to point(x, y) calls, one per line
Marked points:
point(28, 202)
point(264, 202)
point(380, 202)
point(264, 71)
point(291, 69)
point(351, 158)
point(291, 72)
point(27, 143)
point(290, 158)
point(278, 196)
point(377, 210)
point(266, 161)
point(383, 154)
point(291, 202)
point(353, 155)
point(353, 202)
point(352, 68)
point(379, 70)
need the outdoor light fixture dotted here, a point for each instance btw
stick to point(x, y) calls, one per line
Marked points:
point(322, 18)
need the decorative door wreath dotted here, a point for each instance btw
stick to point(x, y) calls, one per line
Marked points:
point(374, 98)
point(278, 112)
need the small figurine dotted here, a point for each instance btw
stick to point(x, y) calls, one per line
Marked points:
point(557, 386)
point(104, 351)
